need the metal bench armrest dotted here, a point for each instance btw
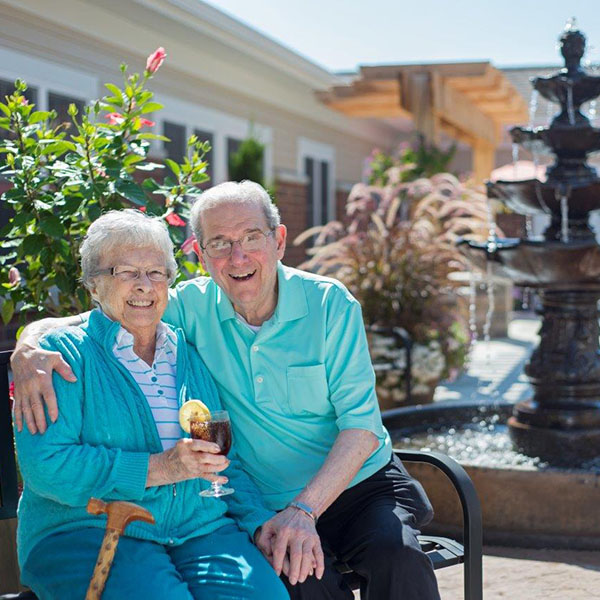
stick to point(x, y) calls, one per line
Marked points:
point(471, 509)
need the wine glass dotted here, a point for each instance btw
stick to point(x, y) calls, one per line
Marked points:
point(216, 429)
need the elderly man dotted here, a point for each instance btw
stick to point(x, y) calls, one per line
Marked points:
point(288, 352)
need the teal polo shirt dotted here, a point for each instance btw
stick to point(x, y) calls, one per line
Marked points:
point(294, 385)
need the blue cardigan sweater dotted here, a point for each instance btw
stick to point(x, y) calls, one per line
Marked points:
point(101, 443)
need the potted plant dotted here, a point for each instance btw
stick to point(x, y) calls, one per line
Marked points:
point(396, 255)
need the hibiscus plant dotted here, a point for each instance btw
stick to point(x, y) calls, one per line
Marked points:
point(59, 177)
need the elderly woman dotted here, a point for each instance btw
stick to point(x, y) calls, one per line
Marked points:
point(118, 438)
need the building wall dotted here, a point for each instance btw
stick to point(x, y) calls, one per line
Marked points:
point(217, 73)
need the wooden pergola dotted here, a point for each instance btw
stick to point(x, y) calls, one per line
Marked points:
point(469, 102)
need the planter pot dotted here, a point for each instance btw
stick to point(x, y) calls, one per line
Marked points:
point(389, 361)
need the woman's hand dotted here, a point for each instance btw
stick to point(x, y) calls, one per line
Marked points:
point(188, 459)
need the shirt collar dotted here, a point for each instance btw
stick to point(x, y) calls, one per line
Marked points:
point(164, 334)
point(291, 301)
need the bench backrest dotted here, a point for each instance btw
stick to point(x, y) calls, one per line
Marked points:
point(9, 495)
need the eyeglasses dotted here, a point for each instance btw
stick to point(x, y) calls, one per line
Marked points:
point(127, 273)
point(254, 241)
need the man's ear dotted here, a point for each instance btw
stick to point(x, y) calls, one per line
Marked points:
point(280, 239)
point(199, 254)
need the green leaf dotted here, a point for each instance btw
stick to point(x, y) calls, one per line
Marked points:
point(32, 244)
point(8, 310)
point(114, 89)
point(63, 282)
point(64, 249)
point(173, 166)
point(52, 226)
point(4, 109)
point(149, 184)
point(149, 166)
point(40, 115)
point(151, 107)
point(132, 191)
point(153, 136)
point(94, 211)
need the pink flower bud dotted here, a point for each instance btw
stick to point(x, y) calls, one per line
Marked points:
point(188, 246)
point(175, 220)
point(14, 277)
point(141, 122)
point(155, 60)
point(114, 118)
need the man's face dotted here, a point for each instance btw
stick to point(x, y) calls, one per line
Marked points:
point(249, 279)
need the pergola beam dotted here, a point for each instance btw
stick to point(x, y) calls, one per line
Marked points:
point(470, 102)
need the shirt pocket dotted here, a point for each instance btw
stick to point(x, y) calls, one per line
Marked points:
point(308, 392)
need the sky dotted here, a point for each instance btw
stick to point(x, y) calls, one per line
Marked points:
point(342, 34)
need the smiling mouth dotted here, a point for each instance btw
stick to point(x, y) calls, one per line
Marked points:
point(242, 277)
point(140, 303)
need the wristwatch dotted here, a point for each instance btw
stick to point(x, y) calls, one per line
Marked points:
point(304, 508)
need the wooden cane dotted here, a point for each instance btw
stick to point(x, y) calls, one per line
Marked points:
point(120, 514)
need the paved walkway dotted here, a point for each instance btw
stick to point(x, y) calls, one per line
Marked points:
point(496, 367)
point(520, 574)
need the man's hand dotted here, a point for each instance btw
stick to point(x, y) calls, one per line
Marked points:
point(188, 459)
point(291, 534)
point(32, 373)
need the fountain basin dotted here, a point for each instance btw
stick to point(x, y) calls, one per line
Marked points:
point(524, 502)
point(536, 263)
point(564, 141)
point(531, 196)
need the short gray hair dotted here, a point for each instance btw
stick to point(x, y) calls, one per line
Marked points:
point(127, 228)
point(233, 192)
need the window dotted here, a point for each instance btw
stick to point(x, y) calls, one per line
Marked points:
point(175, 149)
point(317, 162)
point(60, 103)
point(318, 193)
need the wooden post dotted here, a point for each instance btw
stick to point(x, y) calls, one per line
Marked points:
point(422, 107)
point(484, 158)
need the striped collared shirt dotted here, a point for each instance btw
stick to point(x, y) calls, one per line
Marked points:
point(157, 382)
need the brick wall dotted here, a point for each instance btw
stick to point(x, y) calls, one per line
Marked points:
point(291, 201)
point(340, 206)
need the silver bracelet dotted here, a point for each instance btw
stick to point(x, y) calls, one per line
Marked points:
point(307, 510)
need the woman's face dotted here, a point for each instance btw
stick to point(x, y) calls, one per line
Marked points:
point(138, 304)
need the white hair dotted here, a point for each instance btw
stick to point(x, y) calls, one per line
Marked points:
point(229, 192)
point(127, 228)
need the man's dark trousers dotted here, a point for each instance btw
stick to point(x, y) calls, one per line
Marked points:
point(373, 527)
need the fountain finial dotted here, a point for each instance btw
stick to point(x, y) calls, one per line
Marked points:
point(572, 46)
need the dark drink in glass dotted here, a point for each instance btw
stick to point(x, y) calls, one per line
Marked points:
point(218, 432)
point(216, 429)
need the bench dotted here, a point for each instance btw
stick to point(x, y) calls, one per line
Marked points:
point(442, 551)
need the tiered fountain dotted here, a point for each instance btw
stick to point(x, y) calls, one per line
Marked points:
point(561, 422)
point(550, 500)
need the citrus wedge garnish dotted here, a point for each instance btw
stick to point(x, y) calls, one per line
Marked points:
point(192, 410)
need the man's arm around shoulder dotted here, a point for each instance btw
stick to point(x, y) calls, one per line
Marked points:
point(32, 369)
